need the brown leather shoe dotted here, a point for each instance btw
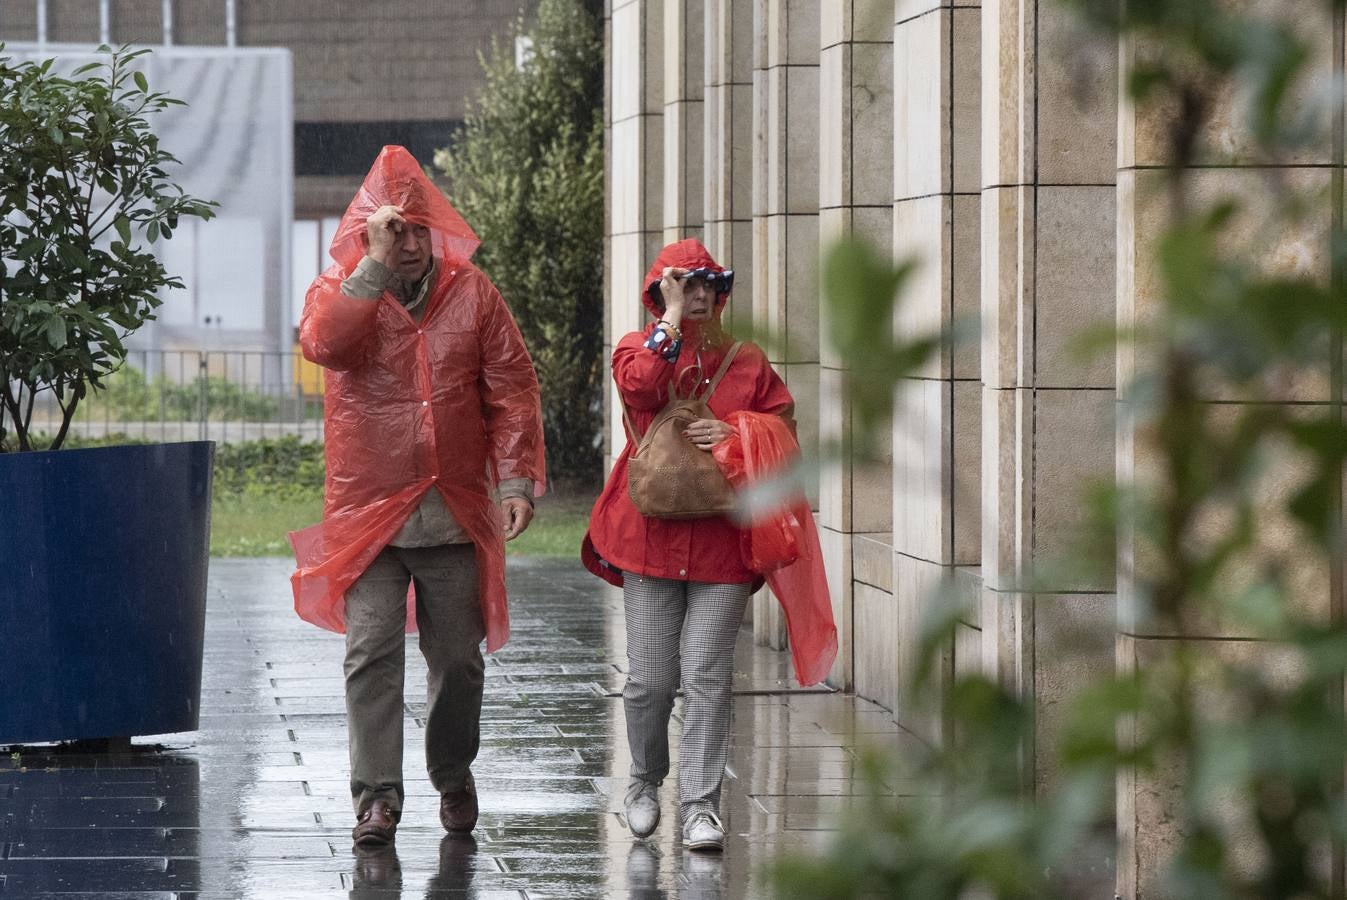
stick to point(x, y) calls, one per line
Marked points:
point(376, 825)
point(458, 809)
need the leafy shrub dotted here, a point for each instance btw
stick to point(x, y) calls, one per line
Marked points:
point(284, 466)
point(84, 191)
point(527, 174)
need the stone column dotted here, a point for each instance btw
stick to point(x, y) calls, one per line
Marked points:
point(936, 446)
point(728, 159)
point(785, 217)
point(855, 115)
point(1226, 165)
point(635, 144)
point(1048, 263)
point(684, 119)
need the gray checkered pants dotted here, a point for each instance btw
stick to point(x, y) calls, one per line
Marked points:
point(681, 632)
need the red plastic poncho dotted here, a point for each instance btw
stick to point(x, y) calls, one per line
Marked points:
point(783, 543)
point(620, 539)
point(450, 404)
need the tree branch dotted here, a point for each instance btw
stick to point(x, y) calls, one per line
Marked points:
point(67, 416)
point(28, 411)
point(12, 404)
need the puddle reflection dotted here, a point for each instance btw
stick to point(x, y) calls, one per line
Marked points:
point(377, 870)
point(458, 854)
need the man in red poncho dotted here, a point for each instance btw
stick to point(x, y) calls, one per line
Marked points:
point(434, 454)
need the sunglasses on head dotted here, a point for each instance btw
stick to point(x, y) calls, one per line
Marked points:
point(720, 282)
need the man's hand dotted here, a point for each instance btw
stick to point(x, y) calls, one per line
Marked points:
point(515, 514)
point(383, 229)
point(706, 433)
point(672, 290)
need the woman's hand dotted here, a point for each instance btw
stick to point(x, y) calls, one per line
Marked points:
point(706, 433)
point(671, 288)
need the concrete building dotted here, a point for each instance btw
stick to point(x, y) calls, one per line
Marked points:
point(979, 138)
point(364, 75)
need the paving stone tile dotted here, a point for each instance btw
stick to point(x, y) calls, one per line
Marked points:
point(256, 803)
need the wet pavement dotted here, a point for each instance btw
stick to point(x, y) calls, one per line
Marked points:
point(256, 803)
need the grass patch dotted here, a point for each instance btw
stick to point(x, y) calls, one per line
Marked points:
point(558, 526)
point(256, 524)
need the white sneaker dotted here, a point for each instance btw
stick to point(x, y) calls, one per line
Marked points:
point(704, 831)
point(642, 807)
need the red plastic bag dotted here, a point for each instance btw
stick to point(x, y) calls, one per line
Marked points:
point(780, 541)
point(762, 447)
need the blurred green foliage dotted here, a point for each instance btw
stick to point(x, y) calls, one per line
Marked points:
point(1233, 526)
point(527, 174)
point(128, 396)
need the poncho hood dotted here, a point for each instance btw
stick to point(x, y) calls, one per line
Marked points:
point(396, 179)
point(685, 254)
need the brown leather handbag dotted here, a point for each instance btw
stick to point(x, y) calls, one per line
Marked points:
point(667, 476)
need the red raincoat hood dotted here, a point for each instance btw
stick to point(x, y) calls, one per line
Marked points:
point(685, 254)
point(396, 179)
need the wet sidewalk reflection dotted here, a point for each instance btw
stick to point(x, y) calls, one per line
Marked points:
point(256, 804)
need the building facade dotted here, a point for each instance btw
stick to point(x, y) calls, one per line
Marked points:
point(364, 75)
point(988, 141)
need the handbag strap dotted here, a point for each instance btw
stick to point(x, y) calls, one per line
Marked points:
point(673, 397)
point(626, 420)
point(720, 373)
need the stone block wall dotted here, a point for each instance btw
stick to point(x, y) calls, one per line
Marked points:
point(987, 141)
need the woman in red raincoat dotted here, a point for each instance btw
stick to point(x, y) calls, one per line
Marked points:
point(685, 582)
point(431, 409)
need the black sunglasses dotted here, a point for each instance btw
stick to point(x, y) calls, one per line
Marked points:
point(720, 282)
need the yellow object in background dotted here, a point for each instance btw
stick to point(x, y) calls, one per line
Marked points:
point(308, 376)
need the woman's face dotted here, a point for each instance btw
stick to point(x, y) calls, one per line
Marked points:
point(699, 300)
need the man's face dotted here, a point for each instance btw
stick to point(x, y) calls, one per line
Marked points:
point(411, 251)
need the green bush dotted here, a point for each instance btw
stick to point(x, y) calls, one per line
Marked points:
point(285, 467)
point(84, 194)
point(527, 174)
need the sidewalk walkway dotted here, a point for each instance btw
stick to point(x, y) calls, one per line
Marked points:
point(256, 803)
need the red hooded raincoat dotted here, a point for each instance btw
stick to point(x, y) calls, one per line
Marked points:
point(620, 538)
point(447, 404)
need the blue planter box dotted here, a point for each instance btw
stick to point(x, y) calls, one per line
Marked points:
point(103, 556)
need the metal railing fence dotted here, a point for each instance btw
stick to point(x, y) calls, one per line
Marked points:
point(219, 395)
